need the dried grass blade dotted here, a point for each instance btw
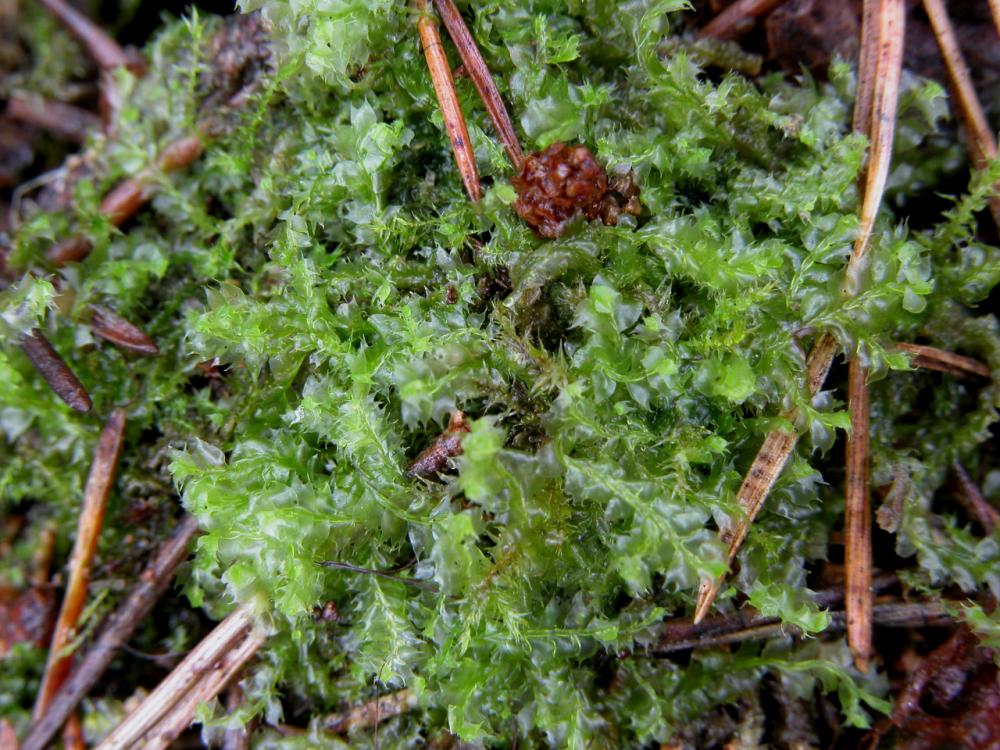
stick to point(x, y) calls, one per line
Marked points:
point(230, 632)
point(55, 371)
point(737, 19)
point(95, 500)
point(932, 358)
point(857, 521)
point(478, 71)
point(982, 143)
point(444, 88)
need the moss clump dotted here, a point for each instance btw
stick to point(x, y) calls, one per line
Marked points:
point(323, 255)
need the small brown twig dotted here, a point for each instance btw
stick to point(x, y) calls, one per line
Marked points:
point(95, 500)
point(778, 445)
point(932, 358)
point(64, 120)
point(231, 634)
point(982, 144)
point(371, 713)
point(857, 520)
point(113, 327)
point(978, 506)
point(128, 197)
point(478, 71)
point(737, 19)
point(153, 581)
point(444, 88)
point(739, 627)
point(55, 371)
point(104, 50)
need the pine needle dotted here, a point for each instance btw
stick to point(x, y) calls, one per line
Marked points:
point(932, 358)
point(737, 19)
point(857, 520)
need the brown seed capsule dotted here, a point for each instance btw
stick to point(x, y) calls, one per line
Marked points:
point(113, 327)
point(434, 458)
point(55, 371)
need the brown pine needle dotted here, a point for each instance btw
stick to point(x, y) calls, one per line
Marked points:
point(932, 358)
point(105, 51)
point(112, 327)
point(203, 659)
point(982, 144)
point(63, 120)
point(152, 583)
point(55, 371)
point(978, 506)
point(995, 10)
point(444, 88)
point(738, 18)
point(476, 67)
point(371, 713)
point(857, 520)
point(95, 500)
point(778, 445)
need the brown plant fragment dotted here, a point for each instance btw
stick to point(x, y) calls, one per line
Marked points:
point(738, 18)
point(972, 499)
point(858, 520)
point(434, 458)
point(63, 120)
point(562, 181)
point(95, 499)
point(113, 327)
point(25, 617)
point(55, 371)
point(932, 358)
point(370, 714)
point(951, 700)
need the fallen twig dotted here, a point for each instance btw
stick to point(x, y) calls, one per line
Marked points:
point(740, 627)
point(738, 18)
point(180, 716)
point(55, 371)
point(64, 120)
point(153, 581)
point(95, 500)
point(978, 506)
point(478, 71)
point(857, 520)
point(371, 713)
point(778, 445)
point(941, 360)
point(981, 142)
point(202, 661)
point(444, 87)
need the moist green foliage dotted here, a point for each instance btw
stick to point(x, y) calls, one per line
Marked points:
point(617, 393)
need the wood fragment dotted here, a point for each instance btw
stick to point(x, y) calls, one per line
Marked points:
point(981, 141)
point(55, 371)
point(95, 499)
point(978, 506)
point(451, 111)
point(153, 581)
point(231, 633)
point(778, 445)
point(857, 520)
point(478, 71)
point(371, 713)
point(932, 358)
point(737, 19)
point(104, 50)
point(112, 327)
point(63, 120)
point(181, 715)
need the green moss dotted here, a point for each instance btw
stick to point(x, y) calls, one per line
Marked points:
point(617, 394)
